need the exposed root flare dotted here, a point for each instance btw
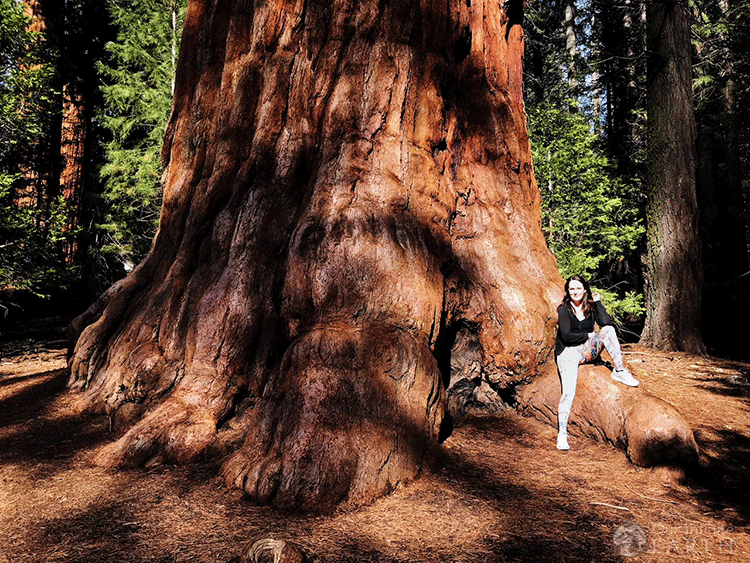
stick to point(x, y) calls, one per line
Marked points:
point(341, 188)
point(172, 433)
point(339, 433)
point(650, 430)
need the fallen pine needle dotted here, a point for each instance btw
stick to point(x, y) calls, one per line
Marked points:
point(651, 498)
point(610, 505)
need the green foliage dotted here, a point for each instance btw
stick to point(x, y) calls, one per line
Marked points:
point(546, 62)
point(31, 228)
point(590, 217)
point(26, 96)
point(623, 308)
point(588, 142)
point(30, 256)
point(138, 81)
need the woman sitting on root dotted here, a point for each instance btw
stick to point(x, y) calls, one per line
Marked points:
point(578, 343)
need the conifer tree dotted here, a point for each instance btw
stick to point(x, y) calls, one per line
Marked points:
point(31, 219)
point(673, 299)
point(590, 216)
point(138, 85)
point(592, 208)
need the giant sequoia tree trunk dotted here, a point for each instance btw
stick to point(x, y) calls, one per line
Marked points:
point(349, 191)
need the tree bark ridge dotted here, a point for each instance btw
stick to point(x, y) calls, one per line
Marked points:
point(675, 279)
point(345, 182)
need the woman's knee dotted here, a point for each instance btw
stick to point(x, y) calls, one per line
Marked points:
point(608, 330)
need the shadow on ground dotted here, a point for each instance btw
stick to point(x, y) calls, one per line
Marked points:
point(527, 498)
point(721, 482)
point(31, 434)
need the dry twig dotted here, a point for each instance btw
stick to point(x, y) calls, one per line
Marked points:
point(651, 498)
point(610, 505)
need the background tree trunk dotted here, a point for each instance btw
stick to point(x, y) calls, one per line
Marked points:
point(673, 296)
point(61, 164)
point(571, 46)
point(84, 29)
point(349, 191)
point(73, 143)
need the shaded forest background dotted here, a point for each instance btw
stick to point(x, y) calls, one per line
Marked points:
point(85, 94)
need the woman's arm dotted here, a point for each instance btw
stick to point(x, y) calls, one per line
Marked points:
point(601, 316)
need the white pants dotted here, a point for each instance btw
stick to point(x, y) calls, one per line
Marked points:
point(573, 356)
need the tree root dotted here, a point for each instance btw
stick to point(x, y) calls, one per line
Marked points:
point(650, 430)
point(171, 433)
point(350, 417)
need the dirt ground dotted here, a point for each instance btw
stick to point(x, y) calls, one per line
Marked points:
point(499, 492)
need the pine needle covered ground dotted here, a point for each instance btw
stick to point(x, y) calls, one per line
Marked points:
point(499, 491)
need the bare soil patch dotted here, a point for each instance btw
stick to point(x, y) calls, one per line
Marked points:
point(498, 490)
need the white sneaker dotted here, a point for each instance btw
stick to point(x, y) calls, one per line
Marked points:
point(623, 375)
point(562, 441)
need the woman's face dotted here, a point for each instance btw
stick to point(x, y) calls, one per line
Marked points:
point(576, 291)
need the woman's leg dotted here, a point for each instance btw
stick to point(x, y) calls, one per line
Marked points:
point(591, 349)
point(567, 365)
point(607, 338)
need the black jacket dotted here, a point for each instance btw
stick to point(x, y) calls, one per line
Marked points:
point(571, 331)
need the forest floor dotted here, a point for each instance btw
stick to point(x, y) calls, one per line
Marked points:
point(499, 492)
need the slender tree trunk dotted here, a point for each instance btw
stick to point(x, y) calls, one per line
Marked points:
point(347, 185)
point(622, 42)
point(174, 40)
point(596, 92)
point(732, 220)
point(596, 102)
point(571, 46)
point(673, 297)
point(73, 157)
point(30, 193)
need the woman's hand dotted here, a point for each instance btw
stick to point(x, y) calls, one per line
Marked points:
point(596, 297)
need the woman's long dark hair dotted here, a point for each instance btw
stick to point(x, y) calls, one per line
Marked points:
point(588, 299)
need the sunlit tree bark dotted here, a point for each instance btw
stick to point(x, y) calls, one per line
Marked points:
point(349, 196)
point(73, 143)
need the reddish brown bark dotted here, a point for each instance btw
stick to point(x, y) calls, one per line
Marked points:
point(33, 10)
point(73, 157)
point(650, 430)
point(348, 184)
point(33, 191)
point(57, 164)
